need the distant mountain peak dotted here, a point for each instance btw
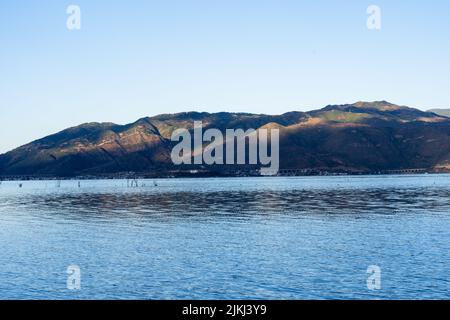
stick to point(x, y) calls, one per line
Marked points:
point(441, 112)
point(382, 104)
point(379, 105)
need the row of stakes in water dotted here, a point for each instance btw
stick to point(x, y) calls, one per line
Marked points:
point(130, 183)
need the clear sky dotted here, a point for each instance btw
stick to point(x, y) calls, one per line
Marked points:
point(132, 59)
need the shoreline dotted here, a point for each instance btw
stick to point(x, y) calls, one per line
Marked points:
point(193, 175)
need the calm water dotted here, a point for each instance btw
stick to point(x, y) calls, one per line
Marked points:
point(254, 238)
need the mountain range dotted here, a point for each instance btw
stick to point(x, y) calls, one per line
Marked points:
point(363, 137)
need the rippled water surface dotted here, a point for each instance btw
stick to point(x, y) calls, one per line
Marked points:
point(237, 238)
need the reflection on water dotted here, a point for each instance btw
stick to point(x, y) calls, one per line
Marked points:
point(296, 238)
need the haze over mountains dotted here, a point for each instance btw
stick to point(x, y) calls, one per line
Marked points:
point(363, 137)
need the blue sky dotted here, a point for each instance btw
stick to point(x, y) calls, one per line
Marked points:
point(140, 58)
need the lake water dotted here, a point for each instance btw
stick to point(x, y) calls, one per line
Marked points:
point(237, 238)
